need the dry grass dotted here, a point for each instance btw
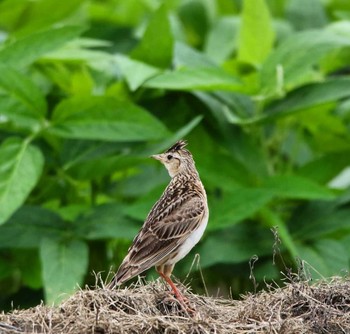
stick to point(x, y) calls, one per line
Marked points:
point(298, 307)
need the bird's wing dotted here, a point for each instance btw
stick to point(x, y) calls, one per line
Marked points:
point(164, 230)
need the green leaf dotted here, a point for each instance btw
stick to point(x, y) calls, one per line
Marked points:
point(97, 168)
point(309, 96)
point(185, 56)
point(10, 12)
point(135, 72)
point(179, 134)
point(20, 170)
point(196, 17)
point(306, 14)
point(346, 242)
point(284, 69)
point(30, 275)
point(292, 186)
point(222, 39)
point(81, 50)
point(105, 222)
point(228, 107)
point(64, 265)
point(140, 208)
point(232, 173)
point(207, 78)
point(77, 151)
point(20, 100)
point(235, 244)
point(35, 16)
point(28, 225)
point(325, 168)
point(157, 42)
point(26, 50)
point(325, 258)
point(234, 206)
point(104, 118)
point(318, 220)
point(256, 35)
point(6, 268)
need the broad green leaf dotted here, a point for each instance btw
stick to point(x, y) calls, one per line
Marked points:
point(144, 181)
point(68, 213)
point(179, 134)
point(106, 222)
point(6, 267)
point(140, 208)
point(325, 258)
point(238, 142)
point(206, 78)
point(64, 265)
point(97, 168)
point(10, 11)
point(306, 14)
point(346, 242)
point(256, 35)
point(245, 150)
point(80, 50)
point(340, 27)
point(237, 205)
point(21, 102)
point(232, 173)
point(26, 50)
point(135, 72)
point(342, 180)
point(39, 15)
point(28, 225)
point(313, 263)
point(319, 220)
point(30, 275)
point(327, 167)
point(77, 151)
point(196, 17)
point(227, 107)
point(20, 169)
point(121, 13)
point(285, 69)
point(309, 96)
point(235, 244)
point(156, 45)
point(104, 118)
point(292, 186)
point(222, 39)
point(185, 56)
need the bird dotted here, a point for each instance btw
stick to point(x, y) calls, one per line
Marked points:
point(174, 225)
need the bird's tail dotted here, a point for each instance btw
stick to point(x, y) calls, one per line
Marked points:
point(113, 283)
point(124, 273)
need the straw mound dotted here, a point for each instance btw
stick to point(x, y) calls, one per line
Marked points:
point(295, 308)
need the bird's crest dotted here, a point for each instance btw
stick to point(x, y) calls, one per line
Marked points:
point(179, 145)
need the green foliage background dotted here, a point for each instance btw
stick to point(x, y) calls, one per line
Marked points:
point(89, 89)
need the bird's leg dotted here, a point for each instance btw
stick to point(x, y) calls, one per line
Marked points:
point(176, 291)
point(165, 273)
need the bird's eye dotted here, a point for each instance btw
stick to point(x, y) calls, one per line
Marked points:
point(169, 157)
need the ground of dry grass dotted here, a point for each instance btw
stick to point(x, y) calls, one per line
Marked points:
point(298, 307)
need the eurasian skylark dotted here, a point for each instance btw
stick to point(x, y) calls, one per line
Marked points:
point(175, 223)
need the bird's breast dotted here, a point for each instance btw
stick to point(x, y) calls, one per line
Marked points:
point(191, 241)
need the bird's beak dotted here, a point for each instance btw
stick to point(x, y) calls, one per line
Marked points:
point(157, 157)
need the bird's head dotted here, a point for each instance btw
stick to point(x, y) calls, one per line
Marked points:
point(176, 159)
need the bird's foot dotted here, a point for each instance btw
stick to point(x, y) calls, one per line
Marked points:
point(185, 303)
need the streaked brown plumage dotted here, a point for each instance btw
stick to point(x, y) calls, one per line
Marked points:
point(175, 223)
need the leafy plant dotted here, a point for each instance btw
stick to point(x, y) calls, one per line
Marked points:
point(88, 90)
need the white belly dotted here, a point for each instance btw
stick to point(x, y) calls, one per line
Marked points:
point(190, 242)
